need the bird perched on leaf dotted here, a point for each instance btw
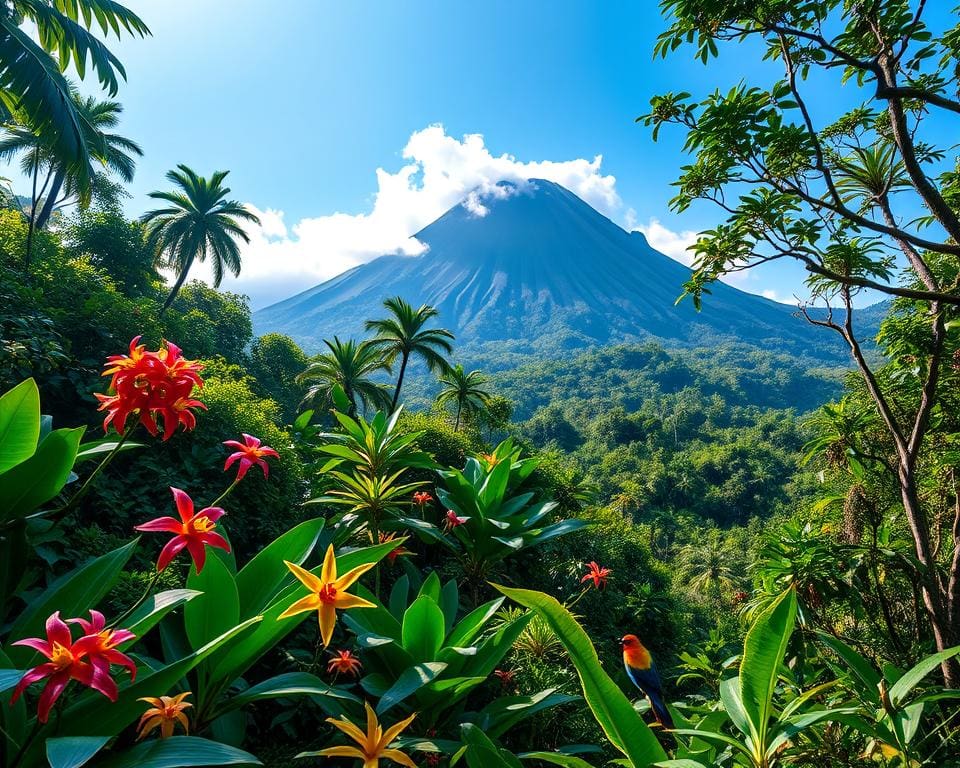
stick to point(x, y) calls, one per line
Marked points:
point(643, 673)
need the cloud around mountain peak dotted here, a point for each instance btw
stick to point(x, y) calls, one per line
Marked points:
point(439, 171)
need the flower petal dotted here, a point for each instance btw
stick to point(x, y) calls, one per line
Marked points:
point(167, 524)
point(309, 580)
point(329, 571)
point(183, 501)
point(351, 576)
point(308, 603)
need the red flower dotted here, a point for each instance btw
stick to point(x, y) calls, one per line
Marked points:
point(451, 520)
point(507, 677)
point(344, 662)
point(100, 644)
point(150, 384)
point(422, 498)
point(596, 574)
point(250, 452)
point(193, 531)
point(66, 663)
point(397, 551)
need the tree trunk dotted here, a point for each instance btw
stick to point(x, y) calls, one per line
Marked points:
point(51, 200)
point(177, 286)
point(33, 211)
point(456, 424)
point(396, 392)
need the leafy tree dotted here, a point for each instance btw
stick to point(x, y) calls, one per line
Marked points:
point(349, 365)
point(466, 391)
point(708, 567)
point(199, 222)
point(32, 85)
point(115, 244)
point(844, 193)
point(275, 362)
point(404, 334)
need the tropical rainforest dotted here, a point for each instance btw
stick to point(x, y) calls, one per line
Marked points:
point(218, 549)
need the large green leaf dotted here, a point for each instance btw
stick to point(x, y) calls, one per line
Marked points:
point(19, 424)
point(217, 609)
point(901, 690)
point(72, 594)
point(481, 752)
point(74, 751)
point(556, 758)
point(763, 651)
point(865, 672)
point(155, 607)
point(409, 682)
point(259, 580)
point(180, 752)
point(288, 684)
point(34, 482)
point(423, 629)
point(612, 709)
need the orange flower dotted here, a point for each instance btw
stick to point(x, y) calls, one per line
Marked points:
point(372, 746)
point(422, 498)
point(165, 713)
point(597, 575)
point(151, 384)
point(193, 531)
point(344, 662)
point(397, 551)
point(327, 593)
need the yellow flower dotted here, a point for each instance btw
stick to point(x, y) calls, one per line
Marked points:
point(165, 713)
point(372, 744)
point(327, 593)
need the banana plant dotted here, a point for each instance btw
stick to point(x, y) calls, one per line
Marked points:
point(420, 656)
point(493, 518)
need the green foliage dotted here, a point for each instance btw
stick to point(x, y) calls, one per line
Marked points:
point(275, 362)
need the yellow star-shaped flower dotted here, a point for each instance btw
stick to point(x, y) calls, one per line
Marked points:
point(373, 745)
point(327, 593)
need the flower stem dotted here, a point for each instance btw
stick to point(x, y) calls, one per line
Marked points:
point(222, 496)
point(143, 598)
point(82, 491)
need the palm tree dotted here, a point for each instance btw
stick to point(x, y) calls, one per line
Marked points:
point(199, 222)
point(40, 154)
point(349, 365)
point(706, 567)
point(404, 335)
point(33, 88)
point(464, 389)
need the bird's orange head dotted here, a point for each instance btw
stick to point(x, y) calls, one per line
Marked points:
point(634, 652)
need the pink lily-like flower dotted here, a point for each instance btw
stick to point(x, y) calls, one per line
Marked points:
point(194, 531)
point(99, 644)
point(65, 663)
point(250, 452)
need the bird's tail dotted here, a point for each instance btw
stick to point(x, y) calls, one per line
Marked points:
point(661, 712)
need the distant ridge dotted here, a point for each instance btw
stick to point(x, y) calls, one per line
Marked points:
point(541, 268)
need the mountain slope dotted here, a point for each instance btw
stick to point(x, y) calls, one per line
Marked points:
point(541, 268)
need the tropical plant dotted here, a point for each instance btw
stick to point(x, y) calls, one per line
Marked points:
point(198, 222)
point(348, 365)
point(38, 153)
point(404, 334)
point(465, 391)
point(492, 517)
point(32, 85)
point(707, 567)
point(419, 653)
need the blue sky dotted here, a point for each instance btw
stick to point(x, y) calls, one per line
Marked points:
point(303, 101)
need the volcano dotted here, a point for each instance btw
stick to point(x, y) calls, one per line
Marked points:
point(542, 270)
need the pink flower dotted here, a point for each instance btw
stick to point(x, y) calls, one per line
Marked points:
point(250, 452)
point(68, 660)
point(193, 531)
point(452, 520)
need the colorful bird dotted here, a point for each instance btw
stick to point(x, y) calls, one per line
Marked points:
point(643, 673)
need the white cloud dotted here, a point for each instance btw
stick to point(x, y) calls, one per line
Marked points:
point(673, 244)
point(440, 171)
